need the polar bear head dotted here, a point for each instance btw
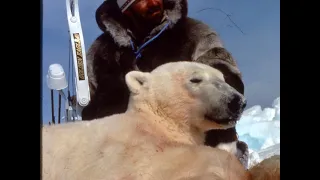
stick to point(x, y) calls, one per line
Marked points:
point(186, 92)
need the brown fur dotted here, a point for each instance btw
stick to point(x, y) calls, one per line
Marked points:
point(268, 169)
point(159, 137)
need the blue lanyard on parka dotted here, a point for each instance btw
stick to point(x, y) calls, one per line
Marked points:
point(138, 52)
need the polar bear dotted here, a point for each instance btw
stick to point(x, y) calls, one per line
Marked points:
point(160, 136)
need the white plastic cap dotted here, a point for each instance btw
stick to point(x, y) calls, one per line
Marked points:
point(56, 78)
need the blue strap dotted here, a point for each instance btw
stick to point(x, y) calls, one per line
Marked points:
point(138, 52)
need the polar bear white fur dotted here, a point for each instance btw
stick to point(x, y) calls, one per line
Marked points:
point(160, 136)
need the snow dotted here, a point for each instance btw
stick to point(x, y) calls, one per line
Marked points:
point(260, 129)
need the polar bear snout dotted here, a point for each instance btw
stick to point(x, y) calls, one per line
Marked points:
point(234, 101)
point(224, 103)
point(237, 103)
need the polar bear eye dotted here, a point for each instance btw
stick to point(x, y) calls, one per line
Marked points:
point(195, 80)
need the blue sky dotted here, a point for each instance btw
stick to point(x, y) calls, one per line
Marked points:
point(257, 51)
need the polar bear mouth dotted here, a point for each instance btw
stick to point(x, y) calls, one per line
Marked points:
point(223, 122)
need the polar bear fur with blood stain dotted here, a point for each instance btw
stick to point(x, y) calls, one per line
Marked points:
point(160, 136)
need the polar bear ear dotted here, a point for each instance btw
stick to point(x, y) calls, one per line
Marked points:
point(137, 80)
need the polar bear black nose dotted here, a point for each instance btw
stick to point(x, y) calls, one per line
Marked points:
point(237, 104)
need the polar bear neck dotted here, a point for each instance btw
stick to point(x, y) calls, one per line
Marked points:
point(173, 131)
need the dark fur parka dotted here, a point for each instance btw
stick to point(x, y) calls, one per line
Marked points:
point(111, 56)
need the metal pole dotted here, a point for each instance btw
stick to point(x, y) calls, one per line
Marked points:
point(59, 112)
point(52, 107)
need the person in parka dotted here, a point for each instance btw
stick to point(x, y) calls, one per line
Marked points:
point(141, 35)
